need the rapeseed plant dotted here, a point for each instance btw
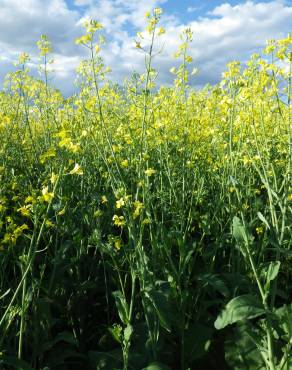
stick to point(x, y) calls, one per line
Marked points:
point(135, 223)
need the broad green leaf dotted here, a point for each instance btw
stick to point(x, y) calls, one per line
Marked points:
point(240, 308)
point(163, 304)
point(242, 339)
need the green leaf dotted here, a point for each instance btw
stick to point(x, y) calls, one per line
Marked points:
point(3, 295)
point(65, 336)
point(15, 363)
point(242, 340)
point(61, 355)
point(240, 308)
point(160, 298)
point(262, 218)
point(273, 271)
point(128, 333)
point(284, 315)
point(239, 231)
point(106, 360)
point(216, 282)
point(122, 307)
point(116, 332)
point(156, 366)
point(197, 341)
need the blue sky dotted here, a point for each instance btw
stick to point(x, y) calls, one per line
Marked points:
point(185, 9)
point(224, 31)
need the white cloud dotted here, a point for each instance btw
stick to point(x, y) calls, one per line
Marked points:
point(192, 9)
point(82, 2)
point(231, 32)
point(114, 14)
point(22, 22)
point(226, 33)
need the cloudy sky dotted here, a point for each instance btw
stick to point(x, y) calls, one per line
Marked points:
point(223, 31)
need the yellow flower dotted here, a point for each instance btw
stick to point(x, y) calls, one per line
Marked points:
point(120, 203)
point(98, 213)
point(47, 196)
point(83, 39)
point(119, 221)
point(62, 212)
point(49, 223)
point(23, 58)
point(125, 163)
point(118, 244)
point(25, 210)
point(44, 45)
point(53, 178)
point(12, 237)
point(194, 71)
point(259, 230)
point(138, 208)
point(157, 11)
point(76, 170)
point(29, 199)
point(149, 172)
point(104, 199)
point(146, 221)
point(48, 154)
point(138, 45)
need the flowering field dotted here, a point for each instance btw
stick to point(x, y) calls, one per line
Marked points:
point(146, 227)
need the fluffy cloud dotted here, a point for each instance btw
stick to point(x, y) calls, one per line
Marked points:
point(23, 21)
point(226, 33)
point(117, 14)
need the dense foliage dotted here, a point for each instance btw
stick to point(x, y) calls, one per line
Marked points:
point(144, 227)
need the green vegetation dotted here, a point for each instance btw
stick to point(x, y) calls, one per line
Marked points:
point(143, 227)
